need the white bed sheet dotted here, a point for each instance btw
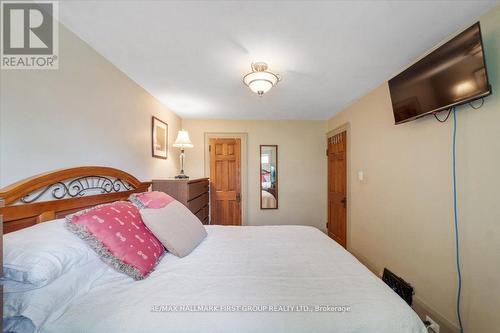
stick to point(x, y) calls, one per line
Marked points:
point(264, 265)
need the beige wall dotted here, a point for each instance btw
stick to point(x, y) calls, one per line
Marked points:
point(401, 214)
point(301, 166)
point(85, 113)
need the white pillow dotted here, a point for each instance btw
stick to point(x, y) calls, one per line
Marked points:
point(39, 254)
point(179, 230)
point(33, 307)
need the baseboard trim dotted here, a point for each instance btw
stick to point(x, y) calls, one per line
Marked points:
point(423, 309)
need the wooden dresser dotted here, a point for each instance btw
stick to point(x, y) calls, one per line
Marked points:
point(193, 193)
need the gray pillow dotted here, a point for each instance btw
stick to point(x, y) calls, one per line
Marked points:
point(179, 230)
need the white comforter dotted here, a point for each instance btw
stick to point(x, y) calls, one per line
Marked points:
point(265, 265)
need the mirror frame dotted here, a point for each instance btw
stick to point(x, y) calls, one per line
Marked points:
point(260, 176)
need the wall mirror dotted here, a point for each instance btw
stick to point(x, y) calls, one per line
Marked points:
point(268, 177)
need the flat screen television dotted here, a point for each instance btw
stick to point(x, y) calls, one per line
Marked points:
point(455, 73)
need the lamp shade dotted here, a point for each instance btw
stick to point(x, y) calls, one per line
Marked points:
point(183, 140)
point(260, 80)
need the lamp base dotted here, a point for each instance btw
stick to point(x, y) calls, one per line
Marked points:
point(182, 176)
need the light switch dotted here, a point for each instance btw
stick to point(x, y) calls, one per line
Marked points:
point(361, 176)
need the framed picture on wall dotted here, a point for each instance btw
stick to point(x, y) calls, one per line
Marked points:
point(159, 138)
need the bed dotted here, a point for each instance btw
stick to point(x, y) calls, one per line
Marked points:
point(268, 200)
point(240, 278)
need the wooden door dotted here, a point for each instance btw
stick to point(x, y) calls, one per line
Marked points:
point(225, 185)
point(337, 188)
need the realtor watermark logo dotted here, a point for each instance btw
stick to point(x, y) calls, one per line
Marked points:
point(30, 35)
point(250, 308)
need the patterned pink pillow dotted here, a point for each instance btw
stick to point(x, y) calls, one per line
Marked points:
point(152, 199)
point(118, 235)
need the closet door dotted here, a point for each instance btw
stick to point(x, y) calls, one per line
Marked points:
point(337, 188)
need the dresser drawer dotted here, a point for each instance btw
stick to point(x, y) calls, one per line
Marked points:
point(196, 204)
point(195, 189)
point(192, 193)
point(203, 214)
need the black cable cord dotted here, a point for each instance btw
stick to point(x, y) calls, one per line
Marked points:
point(445, 119)
point(477, 107)
point(450, 110)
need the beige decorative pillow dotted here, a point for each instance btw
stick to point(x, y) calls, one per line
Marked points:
point(179, 230)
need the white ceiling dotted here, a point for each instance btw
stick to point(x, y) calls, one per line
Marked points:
point(192, 55)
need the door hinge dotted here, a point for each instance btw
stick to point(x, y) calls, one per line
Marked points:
point(209, 148)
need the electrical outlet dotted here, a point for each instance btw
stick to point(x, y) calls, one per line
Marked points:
point(433, 326)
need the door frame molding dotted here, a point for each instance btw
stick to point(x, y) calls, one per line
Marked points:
point(243, 164)
point(347, 128)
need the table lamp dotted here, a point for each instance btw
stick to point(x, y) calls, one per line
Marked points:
point(182, 142)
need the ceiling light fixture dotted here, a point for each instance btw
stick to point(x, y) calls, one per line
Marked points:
point(260, 80)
